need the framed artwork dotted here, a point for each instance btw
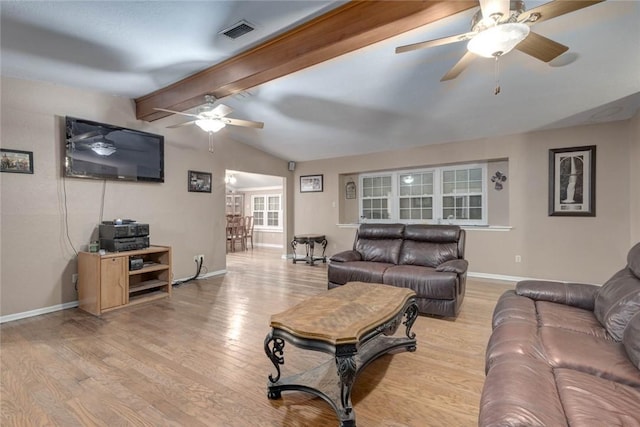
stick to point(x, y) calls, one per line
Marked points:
point(572, 181)
point(311, 183)
point(16, 161)
point(350, 190)
point(199, 182)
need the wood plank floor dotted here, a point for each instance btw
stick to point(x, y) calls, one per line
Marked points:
point(197, 359)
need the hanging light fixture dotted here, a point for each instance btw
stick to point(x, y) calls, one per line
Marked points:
point(498, 40)
point(210, 125)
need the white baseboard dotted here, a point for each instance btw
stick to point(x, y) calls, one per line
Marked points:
point(268, 245)
point(500, 277)
point(73, 304)
point(38, 311)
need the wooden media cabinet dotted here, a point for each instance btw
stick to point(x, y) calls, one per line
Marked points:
point(106, 283)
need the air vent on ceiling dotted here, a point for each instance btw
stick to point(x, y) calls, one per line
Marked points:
point(238, 29)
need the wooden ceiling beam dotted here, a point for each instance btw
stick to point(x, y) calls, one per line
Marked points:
point(347, 28)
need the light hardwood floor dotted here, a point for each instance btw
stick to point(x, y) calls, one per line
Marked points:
point(197, 359)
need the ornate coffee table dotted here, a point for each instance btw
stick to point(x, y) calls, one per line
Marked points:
point(355, 323)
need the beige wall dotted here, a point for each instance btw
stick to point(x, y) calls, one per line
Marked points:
point(564, 248)
point(634, 160)
point(36, 260)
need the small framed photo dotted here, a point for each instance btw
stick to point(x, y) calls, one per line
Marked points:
point(311, 183)
point(16, 161)
point(572, 181)
point(199, 182)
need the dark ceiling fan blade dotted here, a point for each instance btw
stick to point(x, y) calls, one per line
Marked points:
point(541, 47)
point(84, 136)
point(554, 9)
point(462, 64)
point(177, 112)
point(244, 123)
point(495, 7)
point(436, 42)
point(182, 124)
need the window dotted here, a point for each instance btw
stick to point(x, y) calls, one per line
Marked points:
point(267, 212)
point(452, 194)
point(376, 191)
point(416, 196)
point(462, 194)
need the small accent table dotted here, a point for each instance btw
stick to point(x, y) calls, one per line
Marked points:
point(355, 323)
point(309, 240)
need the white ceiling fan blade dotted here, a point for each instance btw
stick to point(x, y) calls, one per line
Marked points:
point(176, 112)
point(460, 66)
point(219, 110)
point(182, 124)
point(244, 123)
point(436, 42)
point(494, 7)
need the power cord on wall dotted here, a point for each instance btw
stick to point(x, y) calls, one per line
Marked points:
point(198, 269)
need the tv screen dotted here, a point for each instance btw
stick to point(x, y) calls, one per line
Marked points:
point(102, 151)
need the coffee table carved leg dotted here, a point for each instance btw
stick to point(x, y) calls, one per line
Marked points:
point(346, 366)
point(411, 313)
point(275, 353)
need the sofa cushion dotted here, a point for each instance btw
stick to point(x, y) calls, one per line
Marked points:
point(357, 271)
point(631, 340)
point(592, 401)
point(521, 392)
point(570, 318)
point(617, 302)
point(428, 245)
point(424, 280)
point(432, 233)
point(514, 307)
point(596, 356)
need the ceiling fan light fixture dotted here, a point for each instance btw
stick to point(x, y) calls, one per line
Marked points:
point(210, 125)
point(498, 40)
point(102, 148)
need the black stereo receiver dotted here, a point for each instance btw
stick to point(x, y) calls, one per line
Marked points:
point(110, 230)
point(124, 244)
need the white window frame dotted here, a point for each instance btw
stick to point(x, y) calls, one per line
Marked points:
point(266, 212)
point(437, 206)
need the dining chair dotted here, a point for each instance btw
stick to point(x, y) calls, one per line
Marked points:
point(248, 231)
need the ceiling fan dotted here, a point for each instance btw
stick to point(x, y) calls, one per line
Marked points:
point(211, 118)
point(502, 25)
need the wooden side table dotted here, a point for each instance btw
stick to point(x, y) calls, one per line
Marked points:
point(309, 240)
point(355, 323)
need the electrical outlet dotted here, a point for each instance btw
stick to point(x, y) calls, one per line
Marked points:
point(199, 258)
point(74, 278)
point(518, 258)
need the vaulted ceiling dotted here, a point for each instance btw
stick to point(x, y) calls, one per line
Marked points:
point(368, 99)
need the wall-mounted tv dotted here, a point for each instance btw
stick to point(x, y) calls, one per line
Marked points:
point(102, 151)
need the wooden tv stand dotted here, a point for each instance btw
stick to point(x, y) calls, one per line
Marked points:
point(105, 282)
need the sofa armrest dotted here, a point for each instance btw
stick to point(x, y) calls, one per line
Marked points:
point(575, 294)
point(346, 256)
point(458, 266)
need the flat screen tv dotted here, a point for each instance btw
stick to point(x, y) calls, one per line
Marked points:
point(102, 151)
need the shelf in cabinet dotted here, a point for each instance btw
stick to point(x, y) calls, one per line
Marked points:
point(147, 284)
point(148, 268)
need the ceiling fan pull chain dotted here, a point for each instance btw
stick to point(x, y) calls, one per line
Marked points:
point(497, 89)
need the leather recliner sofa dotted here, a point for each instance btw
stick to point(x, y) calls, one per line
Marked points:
point(566, 354)
point(426, 258)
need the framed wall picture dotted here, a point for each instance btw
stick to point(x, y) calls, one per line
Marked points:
point(199, 182)
point(16, 161)
point(572, 181)
point(350, 190)
point(311, 183)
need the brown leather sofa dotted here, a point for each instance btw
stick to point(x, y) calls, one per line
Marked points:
point(566, 354)
point(426, 258)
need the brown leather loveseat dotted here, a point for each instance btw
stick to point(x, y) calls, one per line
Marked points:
point(566, 354)
point(426, 258)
